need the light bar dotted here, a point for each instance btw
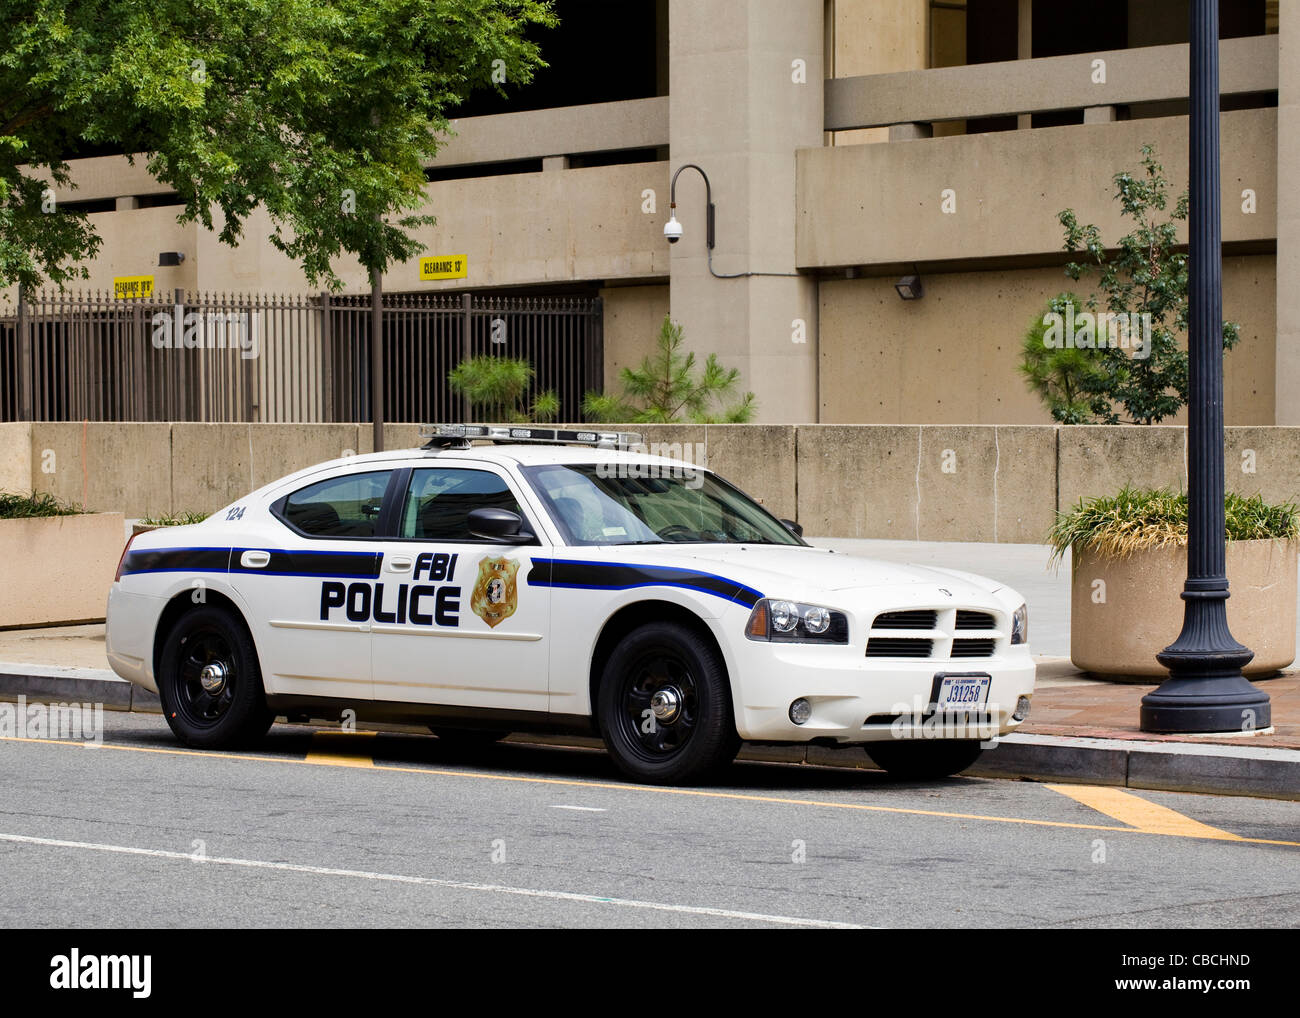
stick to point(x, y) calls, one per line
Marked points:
point(440, 433)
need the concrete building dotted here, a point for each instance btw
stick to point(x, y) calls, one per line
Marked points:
point(847, 143)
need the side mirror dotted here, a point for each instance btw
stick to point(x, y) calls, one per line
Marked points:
point(498, 525)
point(793, 527)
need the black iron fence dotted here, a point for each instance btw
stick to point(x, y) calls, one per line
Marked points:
point(232, 357)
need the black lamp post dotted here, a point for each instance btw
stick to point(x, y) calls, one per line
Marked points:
point(1206, 691)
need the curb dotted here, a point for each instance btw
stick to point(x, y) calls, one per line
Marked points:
point(1210, 768)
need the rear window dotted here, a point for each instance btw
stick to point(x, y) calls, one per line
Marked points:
point(347, 506)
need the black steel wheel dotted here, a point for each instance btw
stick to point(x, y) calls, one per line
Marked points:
point(210, 682)
point(664, 706)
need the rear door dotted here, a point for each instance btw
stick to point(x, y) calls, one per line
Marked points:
point(311, 585)
point(462, 624)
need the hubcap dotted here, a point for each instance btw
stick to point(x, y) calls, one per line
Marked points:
point(666, 704)
point(213, 677)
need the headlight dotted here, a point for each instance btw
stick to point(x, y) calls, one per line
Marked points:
point(791, 622)
point(1020, 625)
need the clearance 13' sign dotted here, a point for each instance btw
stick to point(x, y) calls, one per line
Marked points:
point(444, 267)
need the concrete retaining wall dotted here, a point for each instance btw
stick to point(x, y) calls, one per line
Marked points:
point(909, 482)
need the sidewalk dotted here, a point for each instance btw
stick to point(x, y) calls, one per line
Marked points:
point(1080, 729)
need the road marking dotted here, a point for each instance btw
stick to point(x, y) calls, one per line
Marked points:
point(342, 749)
point(647, 789)
point(455, 885)
point(582, 809)
point(1142, 814)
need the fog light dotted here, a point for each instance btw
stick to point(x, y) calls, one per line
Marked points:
point(800, 711)
point(1022, 709)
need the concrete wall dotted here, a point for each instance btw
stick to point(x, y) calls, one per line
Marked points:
point(905, 482)
point(861, 205)
point(633, 315)
point(951, 357)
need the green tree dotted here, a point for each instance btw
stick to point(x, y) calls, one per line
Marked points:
point(1069, 381)
point(666, 389)
point(322, 111)
point(496, 389)
point(1146, 274)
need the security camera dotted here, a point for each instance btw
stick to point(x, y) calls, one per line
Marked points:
point(673, 230)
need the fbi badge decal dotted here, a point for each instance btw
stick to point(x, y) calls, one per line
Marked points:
point(496, 593)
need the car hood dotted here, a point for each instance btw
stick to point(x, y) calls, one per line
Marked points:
point(795, 572)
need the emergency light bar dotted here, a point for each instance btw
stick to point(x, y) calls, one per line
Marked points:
point(443, 435)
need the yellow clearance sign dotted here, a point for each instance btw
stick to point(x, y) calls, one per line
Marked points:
point(444, 267)
point(132, 287)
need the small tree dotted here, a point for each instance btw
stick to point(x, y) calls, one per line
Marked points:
point(664, 389)
point(496, 389)
point(1147, 276)
point(1069, 381)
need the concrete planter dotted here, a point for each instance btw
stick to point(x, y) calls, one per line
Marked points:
point(1124, 611)
point(58, 569)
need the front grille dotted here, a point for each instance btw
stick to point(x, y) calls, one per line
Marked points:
point(967, 619)
point(914, 618)
point(973, 648)
point(898, 646)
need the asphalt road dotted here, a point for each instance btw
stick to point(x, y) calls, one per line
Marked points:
point(335, 829)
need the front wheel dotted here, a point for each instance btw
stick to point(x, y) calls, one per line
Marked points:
point(664, 706)
point(924, 759)
point(210, 683)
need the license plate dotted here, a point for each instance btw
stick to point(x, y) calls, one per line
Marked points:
point(958, 693)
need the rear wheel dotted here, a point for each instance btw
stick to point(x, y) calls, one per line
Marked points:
point(664, 706)
point(210, 682)
point(924, 759)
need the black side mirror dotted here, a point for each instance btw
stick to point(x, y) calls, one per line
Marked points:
point(498, 525)
point(793, 527)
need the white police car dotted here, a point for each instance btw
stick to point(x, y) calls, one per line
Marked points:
point(491, 588)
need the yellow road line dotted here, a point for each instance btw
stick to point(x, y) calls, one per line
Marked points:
point(342, 749)
point(649, 789)
point(1142, 814)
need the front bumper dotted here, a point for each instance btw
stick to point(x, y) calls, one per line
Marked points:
point(859, 699)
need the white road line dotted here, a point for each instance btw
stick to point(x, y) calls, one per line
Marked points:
point(582, 809)
point(398, 878)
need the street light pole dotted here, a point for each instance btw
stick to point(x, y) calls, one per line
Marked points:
point(1206, 691)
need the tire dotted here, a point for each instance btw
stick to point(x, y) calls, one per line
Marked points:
point(924, 759)
point(235, 714)
point(467, 738)
point(697, 738)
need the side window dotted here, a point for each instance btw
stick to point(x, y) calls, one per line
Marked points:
point(440, 499)
point(345, 506)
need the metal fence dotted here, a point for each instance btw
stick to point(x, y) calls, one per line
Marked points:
point(232, 357)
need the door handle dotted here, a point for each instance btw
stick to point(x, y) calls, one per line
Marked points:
point(254, 559)
point(399, 565)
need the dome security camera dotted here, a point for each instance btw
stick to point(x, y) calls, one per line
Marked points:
point(673, 230)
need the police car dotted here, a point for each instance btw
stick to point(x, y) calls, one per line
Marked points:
point(505, 579)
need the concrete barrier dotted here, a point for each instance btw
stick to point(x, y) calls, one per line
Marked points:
point(999, 483)
point(105, 465)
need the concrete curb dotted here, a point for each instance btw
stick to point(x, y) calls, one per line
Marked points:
point(1159, 766)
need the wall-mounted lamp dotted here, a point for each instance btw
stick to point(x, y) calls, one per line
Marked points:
point(910, 288)
point(170, 258)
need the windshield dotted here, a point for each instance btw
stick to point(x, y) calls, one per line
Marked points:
point(697, 508)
